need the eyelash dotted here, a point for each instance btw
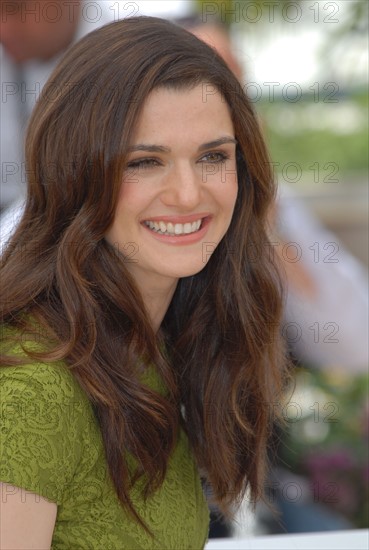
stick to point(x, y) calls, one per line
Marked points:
point(221, 157)
point(147, 163)
point(143, 164)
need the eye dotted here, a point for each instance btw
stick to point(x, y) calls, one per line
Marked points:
point(143, 164)
point(215, 157)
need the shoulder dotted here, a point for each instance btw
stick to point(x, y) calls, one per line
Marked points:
point(49, 383)
point(46, 386)
point(44, 416)
point(32, 374)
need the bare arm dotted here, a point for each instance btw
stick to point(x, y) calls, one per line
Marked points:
point(27, 520)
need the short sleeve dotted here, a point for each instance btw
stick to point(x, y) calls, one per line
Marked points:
point(41, 417)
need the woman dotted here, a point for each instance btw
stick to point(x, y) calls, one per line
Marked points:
point(140, 304)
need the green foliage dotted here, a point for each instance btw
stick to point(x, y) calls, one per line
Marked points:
point(230, 11)
point(327, 440)
point(327, 141)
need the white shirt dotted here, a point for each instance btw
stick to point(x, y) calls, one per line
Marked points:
point(329, 330)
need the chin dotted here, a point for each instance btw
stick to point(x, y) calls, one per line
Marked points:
point(187, 271)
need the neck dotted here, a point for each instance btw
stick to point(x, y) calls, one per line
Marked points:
point(157, 299)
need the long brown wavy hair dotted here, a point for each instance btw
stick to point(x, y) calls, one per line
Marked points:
point(219, 350)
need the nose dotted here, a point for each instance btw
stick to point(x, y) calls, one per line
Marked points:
point(182, 187)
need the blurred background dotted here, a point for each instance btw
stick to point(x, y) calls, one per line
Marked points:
point(305, 68)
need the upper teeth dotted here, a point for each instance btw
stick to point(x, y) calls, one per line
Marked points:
point(174, 228)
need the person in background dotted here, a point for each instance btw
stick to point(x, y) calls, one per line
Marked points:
point(140, 346)
point(34, 35)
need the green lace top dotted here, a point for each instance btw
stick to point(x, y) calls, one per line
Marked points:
point(51, 445)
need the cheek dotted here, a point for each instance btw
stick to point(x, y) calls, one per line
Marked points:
point(228, 188)
point(128, 198)
point(135, 193)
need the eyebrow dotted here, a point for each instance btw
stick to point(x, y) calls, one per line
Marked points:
point(217, 142)
point(162, 149)
point(148, 147)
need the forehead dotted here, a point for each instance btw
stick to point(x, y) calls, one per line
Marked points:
point(199, 110)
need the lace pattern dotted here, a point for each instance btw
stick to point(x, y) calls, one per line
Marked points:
point(51, 445)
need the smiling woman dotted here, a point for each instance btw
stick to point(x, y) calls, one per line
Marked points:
point(179, 188)
point(141, 306)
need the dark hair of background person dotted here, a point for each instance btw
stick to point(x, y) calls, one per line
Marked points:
point(219, 350)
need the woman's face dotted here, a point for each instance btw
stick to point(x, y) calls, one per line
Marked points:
point(179, 187)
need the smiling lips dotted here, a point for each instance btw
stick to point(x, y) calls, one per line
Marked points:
point(183, 230)
point(174, 229)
